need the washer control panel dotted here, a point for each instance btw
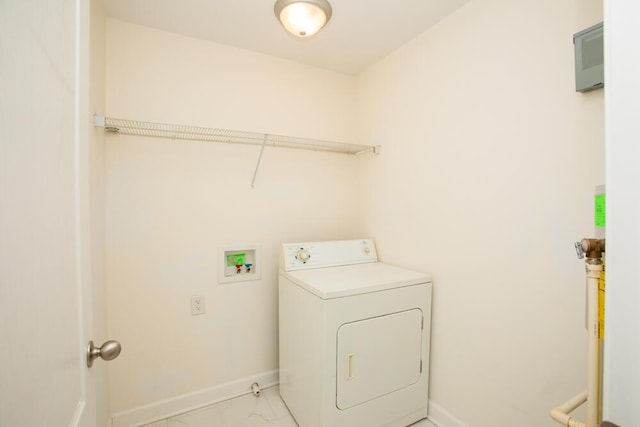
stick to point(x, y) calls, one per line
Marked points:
point(300, 256)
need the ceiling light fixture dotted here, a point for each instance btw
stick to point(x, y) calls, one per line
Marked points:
point(303, 18)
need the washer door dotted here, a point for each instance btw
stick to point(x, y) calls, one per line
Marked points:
point(378, 356)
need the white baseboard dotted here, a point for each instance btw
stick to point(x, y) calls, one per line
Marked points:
point(441, 417)
point(188, 402)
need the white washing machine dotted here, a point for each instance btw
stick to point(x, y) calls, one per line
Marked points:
point(354, 336)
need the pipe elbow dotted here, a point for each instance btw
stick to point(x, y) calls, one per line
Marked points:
point(593, 248)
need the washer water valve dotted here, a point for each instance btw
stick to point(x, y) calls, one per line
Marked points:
point(243, 268)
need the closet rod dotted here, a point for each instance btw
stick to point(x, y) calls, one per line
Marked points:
point(195, 133)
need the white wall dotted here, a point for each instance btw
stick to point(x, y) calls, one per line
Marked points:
point(172, 204)
point(622, 346)
point(486, 179)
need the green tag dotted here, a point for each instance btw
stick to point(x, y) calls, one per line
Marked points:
point(600, 213)
point(235, 259)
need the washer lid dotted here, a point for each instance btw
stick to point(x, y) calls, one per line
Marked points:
point(335, 282)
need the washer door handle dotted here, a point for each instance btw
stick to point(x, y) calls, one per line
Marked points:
point(349, 374)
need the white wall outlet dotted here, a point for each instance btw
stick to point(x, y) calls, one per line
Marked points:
point(197, 304)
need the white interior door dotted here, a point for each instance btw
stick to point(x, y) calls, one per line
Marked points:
point(621, 392)
point(45, 301)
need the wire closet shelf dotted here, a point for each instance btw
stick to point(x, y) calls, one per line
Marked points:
point(196, 133)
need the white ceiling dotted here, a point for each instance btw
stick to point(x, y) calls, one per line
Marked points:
point(360, 32)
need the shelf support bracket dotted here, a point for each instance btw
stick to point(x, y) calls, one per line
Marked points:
point(255, 172)
point(98, 121)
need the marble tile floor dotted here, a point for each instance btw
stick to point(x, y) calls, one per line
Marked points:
point(266, 410)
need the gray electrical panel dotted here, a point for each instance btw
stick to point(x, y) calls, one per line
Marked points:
point(589, 53)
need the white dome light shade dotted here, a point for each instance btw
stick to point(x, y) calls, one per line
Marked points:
point(303, 18)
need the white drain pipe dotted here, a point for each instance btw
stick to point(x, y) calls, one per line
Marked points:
point(593, 249)
point(561, 413)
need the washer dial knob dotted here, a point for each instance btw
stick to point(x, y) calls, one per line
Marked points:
point(303, 255)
